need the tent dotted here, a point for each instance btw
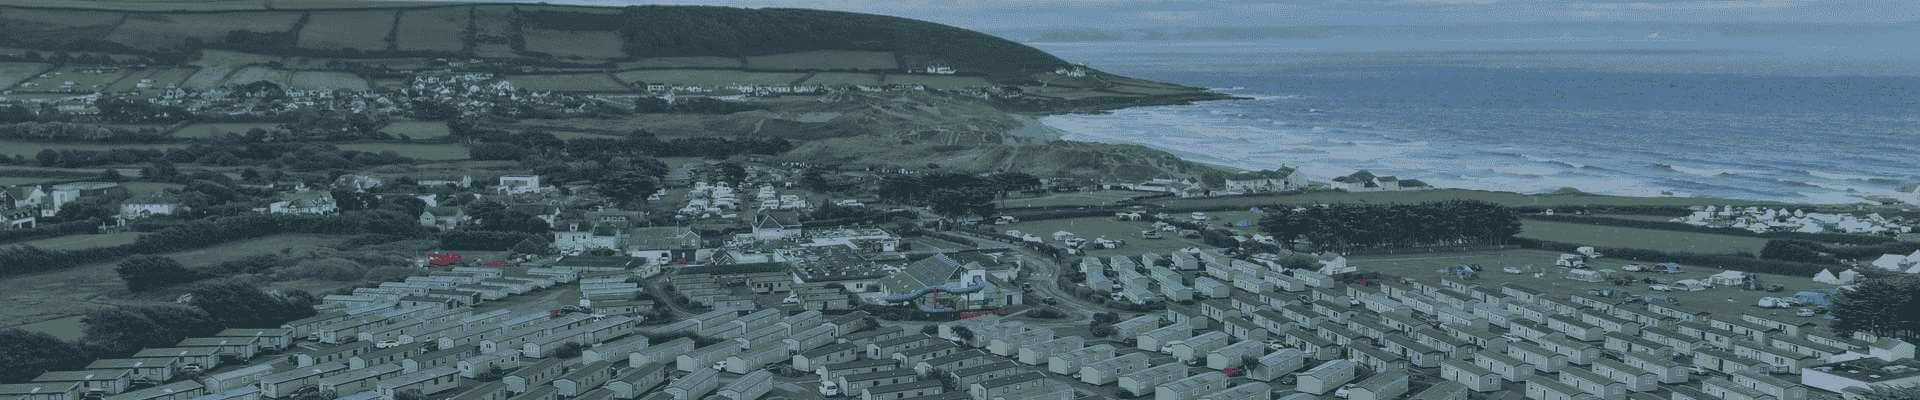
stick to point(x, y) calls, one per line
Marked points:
point(1890, 262)
point(1818, 298)
point(1728, 278)
point(1827, 277)
point(1848, 276)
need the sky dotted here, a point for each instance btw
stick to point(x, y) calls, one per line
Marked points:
point(1032, 15)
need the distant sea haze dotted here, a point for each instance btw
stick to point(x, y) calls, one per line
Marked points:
point(1643, 115)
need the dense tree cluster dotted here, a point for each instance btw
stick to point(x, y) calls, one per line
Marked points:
point(64, 131)
point(1359, 226)
point(948, 194)
point(142, 273)
point(1881, 303)
point(28, 354)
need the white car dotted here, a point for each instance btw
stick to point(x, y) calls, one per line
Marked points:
point(386, 344)
point(719, 365)
point(1168, 348)
point(1343, 391)
point(1510, 270)
point(1804, 312)
point(791, 299)
point(1633, 268)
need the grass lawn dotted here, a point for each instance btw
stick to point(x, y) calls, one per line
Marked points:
point(1097, 198)
point(1719, 300)
point(1094, 227)
point(216, 129)
point(26, 180)
point(80, 242)
point(36, 298)
point(1422, 196)
point(418, 151)
point(1637, 238)
point(418, 129)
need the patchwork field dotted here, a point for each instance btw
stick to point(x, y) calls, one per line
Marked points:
point(80, 242)
point(710, 77)
point(433, 29)
point(13, 73)
point(217, 129)
point(938, 81)
point(418, 151)
point(57, 26)
point(150, 187)
point(682, 62)
point(30, 149)
point(364, 30)
point(582, 82)
point(418, 129)
point(1719, 300)
point(208, 77)
point(258, 73)
point(1422, 196)
point(565, 43)
point(173, 30)
point(826, 60)
point(1651, 239)
point(27, 180)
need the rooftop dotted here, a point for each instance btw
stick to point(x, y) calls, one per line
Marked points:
point(1872, 370)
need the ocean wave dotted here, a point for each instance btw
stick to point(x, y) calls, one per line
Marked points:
point(1840, 176)
point(1704, 171)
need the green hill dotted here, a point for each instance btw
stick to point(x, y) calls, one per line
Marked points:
point(542, 33)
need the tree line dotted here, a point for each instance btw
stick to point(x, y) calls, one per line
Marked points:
point(954, 194)
point(120, 331)
point(1881, 303)
point(1816, 252)
point(1344, 227)
point(17, 260)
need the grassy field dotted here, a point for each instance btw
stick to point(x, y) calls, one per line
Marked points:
point(1094, 227)
point(12, 73)
point(492, 26)
point(150, 187)
point(585, 44)
point(844, 79)
point(258, 73)
point(1636, 238)
point(418, 151)
point(311, 80)
point(581, 82)
point(80, 242)
point(42, 297)
point(1098, 198)
point(826, 60)
point(27, 180)
point(85, 79)
point(173, 30)
point(433, 29)
point(418, 129)
point(30, 149)
point(938, 81)
point(1720, 301)
point(365, 30)
point(208, 77)
point(216, 129)
point(682, 62)
point(1422, 196)
point(709, 77)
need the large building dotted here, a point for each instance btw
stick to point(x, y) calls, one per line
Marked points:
point(962, 281)
point(1862, 373)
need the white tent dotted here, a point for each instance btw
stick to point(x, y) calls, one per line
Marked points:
point(1848, 276)
point(1827, 277)
point(1728, 278)
point(1890, 262)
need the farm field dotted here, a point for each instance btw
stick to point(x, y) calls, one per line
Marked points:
point(584, 44)
point(1719, 300)
point(844, 79)
point(81, 242)
point(364, 30)
point(143, 31)
point(492, 30)
point(57, 26)
point(1637, 238)
point(581, 82)
point(1094, 227)
point(86, 79)
point(433, 29)
point(938, 81)
point(258, 73)
point(418, 129)
point(311, 80)
point(1422, 196)
point(825, 60)
point(709, 77)
point(150, 187)
point(67, 293)
point(217, 129)
point(30, 149)
point(13, 73)
point(1097, 198)
point(418, 151)
point(27, 180)
point(682, 62)
point(208, 77)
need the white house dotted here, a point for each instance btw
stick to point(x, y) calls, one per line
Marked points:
point(313, 202)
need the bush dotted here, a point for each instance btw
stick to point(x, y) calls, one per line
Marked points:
point(390, 274)
point(148, 272)
point(1046, 313)
point(330, 269)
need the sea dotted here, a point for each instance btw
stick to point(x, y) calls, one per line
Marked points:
point(1814, 118)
